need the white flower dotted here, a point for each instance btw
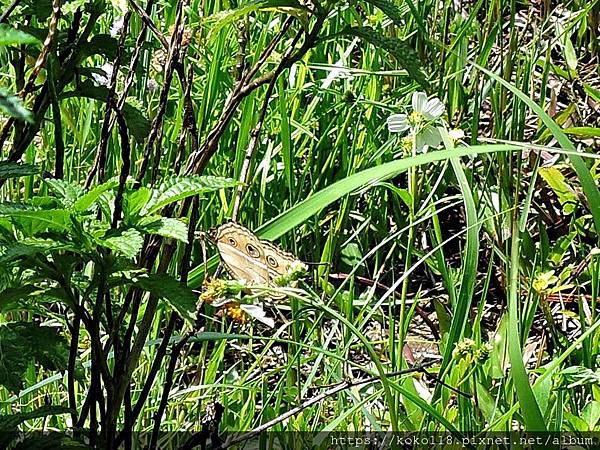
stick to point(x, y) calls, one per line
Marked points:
point(152, 85)
point(117, 26)
point(103, 79)
point(398, 123)
point(431, 108)
point(428, 137)
point(421, 122)
point(456, 134)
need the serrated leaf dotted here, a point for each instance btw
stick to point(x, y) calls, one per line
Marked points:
point(27, 247)
point(388, 7)
point(126, 242)
point(164, 226)
point(69, 193)
point(89, 198)
point(177, 188)
point(9, 169)
point(404, 54)
point(23, 342)
point(41, 220)
point(12, 36)
point(9, 208)
point(178, 295)
point(137, 123)
point(13, 107)
point(134, 201)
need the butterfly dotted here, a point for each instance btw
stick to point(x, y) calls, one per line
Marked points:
point(246, 257)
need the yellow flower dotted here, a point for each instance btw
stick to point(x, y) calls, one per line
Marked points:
point(235, 312)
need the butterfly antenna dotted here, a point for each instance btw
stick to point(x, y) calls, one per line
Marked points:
point(319, 264)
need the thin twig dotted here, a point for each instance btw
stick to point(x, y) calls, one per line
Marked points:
point(46, 46)
point(254, 135)
point(169, 376)
point(199, 160)
point(9, 11)
point(149, 23)
point(125, 167)
point(189, 119)
point(172, 60)
point(71, 367)
point(342, 386)
point(57, 120)
point(100, 161)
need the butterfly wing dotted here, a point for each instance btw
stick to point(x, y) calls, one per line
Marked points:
point(278, 261)
point(242, 253)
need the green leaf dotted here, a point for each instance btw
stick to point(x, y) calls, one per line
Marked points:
point(12, 36)
point(27, 247)
point(25, 342)
point(177, 188)
point(95, 7)
point(530, 408)
point(89, 198)
point(41, 9)
point(460, 317)
point(164, 226)
point(134, 201)
point(583, 132)
point(557, 181)
point(101, 44)
point(42, 220)
point(137, 123)
point(389, 8)
point(591, 414)
point(9, 169)
point(351, 254)
point(9, 424)
point(9, 296)
point(178, 295)
point(569, 52)
point(51, 440)
point(298, 213)
point(126, 242)
point(13, 107)
point(404, 54)
point(227, 17)
point(69, 193)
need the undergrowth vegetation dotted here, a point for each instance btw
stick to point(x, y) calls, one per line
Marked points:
point(432, 166)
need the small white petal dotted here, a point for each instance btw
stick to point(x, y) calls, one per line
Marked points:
point(430, 136)
point(456, 134)
point(117, 26)
point(434, 109)
point(397, 123)
point(258, 313)
point(419, 100)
